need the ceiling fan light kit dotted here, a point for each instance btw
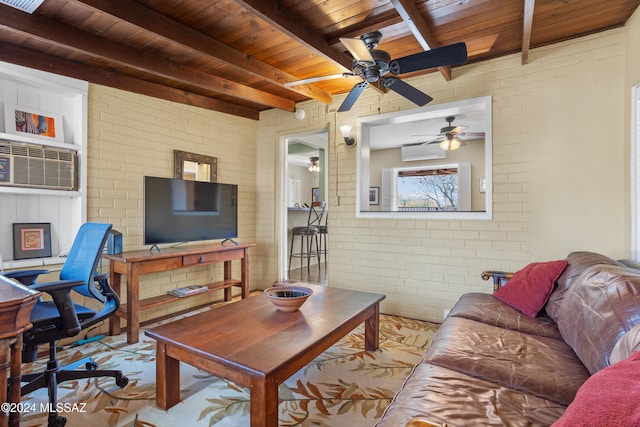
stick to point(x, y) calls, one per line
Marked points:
point(314, 165)
point(450, 144)
point(449, 138)
point(372, 65)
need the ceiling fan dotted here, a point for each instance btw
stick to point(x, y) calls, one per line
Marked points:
point(450, 136)
point(371, 65)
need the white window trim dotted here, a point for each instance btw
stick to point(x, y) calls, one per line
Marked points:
point(362, 161)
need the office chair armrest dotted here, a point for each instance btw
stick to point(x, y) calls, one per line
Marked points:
point(60, 292)
point(26, 277)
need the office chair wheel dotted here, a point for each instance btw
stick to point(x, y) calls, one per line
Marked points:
point(57, 422)
point(91, 366)
point(122, 381)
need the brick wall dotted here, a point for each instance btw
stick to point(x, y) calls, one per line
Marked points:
point(131, 136)
point(559, 181)
point(560, 175)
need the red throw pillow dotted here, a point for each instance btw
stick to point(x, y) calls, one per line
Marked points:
point(529, 289)
point(608, 398)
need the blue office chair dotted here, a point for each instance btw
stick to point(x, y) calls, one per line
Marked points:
point(62, 318)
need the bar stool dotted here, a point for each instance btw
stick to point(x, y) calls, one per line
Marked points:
point(323, 231)
point(308, 235)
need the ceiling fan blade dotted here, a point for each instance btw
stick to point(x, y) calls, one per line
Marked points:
point(353, 96)
point(457, 129)
point(406, 90)
point(318, 79)
point(446, 55)
point(358, 49)
point(414, 144)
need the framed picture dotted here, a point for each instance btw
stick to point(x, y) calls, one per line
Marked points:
point(26, 121)
point(373, 195)
point(31, 240)
point(315, 194)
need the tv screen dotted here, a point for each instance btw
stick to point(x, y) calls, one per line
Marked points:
point(177, 210)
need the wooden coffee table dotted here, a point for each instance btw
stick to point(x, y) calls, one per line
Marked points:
point(255, 345)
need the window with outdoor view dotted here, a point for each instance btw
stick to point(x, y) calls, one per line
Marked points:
point(427, 189)
point(444, 188)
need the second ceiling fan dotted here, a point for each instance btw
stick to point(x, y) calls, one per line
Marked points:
point(450, 137)
point(372, 65)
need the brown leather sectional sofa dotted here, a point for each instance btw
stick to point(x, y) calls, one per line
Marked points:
point(492, 365)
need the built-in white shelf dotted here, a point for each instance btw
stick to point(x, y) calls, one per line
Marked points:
point(64, 209)
point(38, 141)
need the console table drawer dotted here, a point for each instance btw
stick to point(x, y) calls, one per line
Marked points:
point(212, 257)
point(200, 259)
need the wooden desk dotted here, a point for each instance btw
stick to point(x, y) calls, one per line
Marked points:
point(255, 345)
point(133, 264)
point(16, 302)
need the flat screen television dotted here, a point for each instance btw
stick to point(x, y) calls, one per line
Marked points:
point(177, 210)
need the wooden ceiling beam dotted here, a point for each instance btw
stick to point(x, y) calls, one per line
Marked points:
point(70, 38)
point(384, 20)
point(526, 29)
point(173, 31)
point(37, 60)
point(409, 12)
point(296, 28)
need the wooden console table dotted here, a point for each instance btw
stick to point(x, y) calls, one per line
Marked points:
point(16, 302)
point(133, 264)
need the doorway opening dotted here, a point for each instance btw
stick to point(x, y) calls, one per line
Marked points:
point(304, 178)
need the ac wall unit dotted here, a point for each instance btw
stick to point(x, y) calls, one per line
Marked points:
point(422, 152)
point(35, 166)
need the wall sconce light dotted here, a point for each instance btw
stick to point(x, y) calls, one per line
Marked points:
point(315, 164)
point(346, 134)
point(299, 113)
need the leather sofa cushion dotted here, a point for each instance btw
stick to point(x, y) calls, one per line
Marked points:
point(436, 393)
point(599, 311)
point(541, 366)
point(486, 309)
point(578, 262)
point(628, 344)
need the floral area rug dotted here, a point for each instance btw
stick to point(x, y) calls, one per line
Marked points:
point(344, 386)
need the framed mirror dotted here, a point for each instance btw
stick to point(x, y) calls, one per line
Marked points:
point(195, 167)
point(427, 162)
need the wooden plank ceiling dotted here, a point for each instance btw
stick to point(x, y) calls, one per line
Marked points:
point(235, 56)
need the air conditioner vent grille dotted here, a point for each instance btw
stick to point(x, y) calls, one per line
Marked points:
point(36, 152)
point(39, 167)
point(20, 150)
